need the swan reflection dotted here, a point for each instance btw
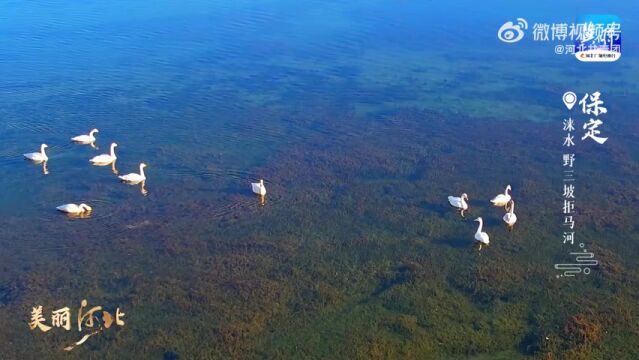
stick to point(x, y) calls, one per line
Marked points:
point(143, 189)
point(114, 168)
point(92, 144)
point(113, 164)
point(84, 215)
point(141, 184)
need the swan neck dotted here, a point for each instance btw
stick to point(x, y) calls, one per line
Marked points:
point(481, 224)
point(112, 150)
point(512, 207)
point(42, 151)
point(141, 170)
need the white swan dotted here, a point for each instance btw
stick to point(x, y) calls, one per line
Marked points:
point(259, 188)
point(510, 218)
point(105, 159)
point(74, 209)
point(502, 199)
point(459, 202)
point(134, 178)
point(86, 139)
point(38, 156)
point(481, 236)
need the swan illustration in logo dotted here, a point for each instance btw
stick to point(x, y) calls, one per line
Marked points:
point(510, 32)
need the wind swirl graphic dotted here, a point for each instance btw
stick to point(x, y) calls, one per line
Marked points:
point(584, 261)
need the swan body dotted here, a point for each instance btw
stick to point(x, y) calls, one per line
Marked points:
point(74, 209)
point(510, 218)
point(259, 188)
point(459, 202)
point(502, 199)
point(134, 178)
point(86, 139)
point(481, 236)
point(38, 156)
point(105, 159)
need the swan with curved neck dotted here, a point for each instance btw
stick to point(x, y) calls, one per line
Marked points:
point(259, 188)
point(481, 236)
point(74, 209)
point(502, 199)
point(459, 202)
point(105, 159)
point(134, 178)
point(38, 156)
point(86, 139)
point(510, 218)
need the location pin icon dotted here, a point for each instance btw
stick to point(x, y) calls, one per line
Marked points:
point(570, 98)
